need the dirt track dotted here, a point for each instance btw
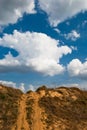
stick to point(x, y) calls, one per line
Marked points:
point(21, 121)
point(37, 124)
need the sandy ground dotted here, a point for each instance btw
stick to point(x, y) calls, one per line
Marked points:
point(37, 124)
point(22, 123)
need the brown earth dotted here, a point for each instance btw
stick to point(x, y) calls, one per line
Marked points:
point(46, 109)
point(21, 123)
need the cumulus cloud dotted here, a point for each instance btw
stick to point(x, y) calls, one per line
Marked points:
point(84, 23)
point(1, 29)
point(12, 10)
point(77, 68)
point(57, 30)
point(74, 48)
point(70, 85)
point(37, 52)
point(73, 35)
point(22, 87)
point(8, 83)
point(32, 87)
point(60, 10)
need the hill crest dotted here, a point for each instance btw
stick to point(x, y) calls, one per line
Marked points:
point(59, 108)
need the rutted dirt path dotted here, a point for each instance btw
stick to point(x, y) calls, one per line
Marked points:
point(22, 123)
point(37, 124)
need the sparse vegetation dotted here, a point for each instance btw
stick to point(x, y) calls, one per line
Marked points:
point(8, 107)
point(30, 91)
point(65, 108)
point(41, 88)
point(29, 110)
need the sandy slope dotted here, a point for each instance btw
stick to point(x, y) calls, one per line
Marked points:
point(21, 121)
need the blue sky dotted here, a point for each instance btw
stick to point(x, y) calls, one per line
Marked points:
point(43, 42)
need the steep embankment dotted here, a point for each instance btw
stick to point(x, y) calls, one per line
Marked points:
point(8, 106)
point(46, 109)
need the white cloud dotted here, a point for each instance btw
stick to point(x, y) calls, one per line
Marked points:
point(8, 83)
point(1, 29)
point(60, 10)
point(73, 35)
point(12, 10)
point(85, 59)
point(77, 68)
point(57, 30)
point(37, 52)
point(32, 87)
point(82, 85)
point(74, 48)
point(70, 85)
point(22, 87)
point(84, 23)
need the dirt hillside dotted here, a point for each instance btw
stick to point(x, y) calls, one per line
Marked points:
point(46, 109)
